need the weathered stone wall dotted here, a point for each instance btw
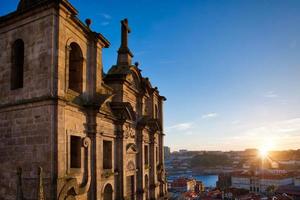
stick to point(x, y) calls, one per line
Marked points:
point(69, 31)
point(71, 122)
point(37, 33)
point(27, 114)
point(38, 120)
point(130, 96)
point(26, 142)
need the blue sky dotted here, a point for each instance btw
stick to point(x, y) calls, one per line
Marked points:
point(229, 69)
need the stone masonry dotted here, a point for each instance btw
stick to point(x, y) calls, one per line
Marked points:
point(67, 129)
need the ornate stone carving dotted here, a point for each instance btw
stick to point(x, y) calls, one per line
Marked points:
point(161, 173)
point(130, 166)
point(129, 132)
point(72, 189)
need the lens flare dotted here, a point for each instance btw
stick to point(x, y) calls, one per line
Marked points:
point(263, 152)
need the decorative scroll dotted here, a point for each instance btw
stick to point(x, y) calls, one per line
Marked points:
point(72, 189)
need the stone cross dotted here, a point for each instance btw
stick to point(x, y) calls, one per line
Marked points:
point(125, 30)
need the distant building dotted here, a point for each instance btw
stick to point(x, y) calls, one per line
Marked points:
point(183, 184)
point(183, 150)
point(259, 182)
point(224, 181)
point(167, 152)
point(199, 187)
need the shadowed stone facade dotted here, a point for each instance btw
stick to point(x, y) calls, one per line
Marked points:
point(67, 130)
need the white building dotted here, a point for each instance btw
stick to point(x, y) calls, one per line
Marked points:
point(260, 182)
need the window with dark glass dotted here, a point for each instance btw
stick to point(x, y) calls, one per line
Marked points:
point(146, 151)
point(107, 154)
point(75, 161)
point(17, 68)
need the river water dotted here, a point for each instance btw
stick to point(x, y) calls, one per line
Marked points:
point(208, 180)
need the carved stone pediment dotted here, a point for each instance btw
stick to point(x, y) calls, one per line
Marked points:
point(131, 148)
point(123, 111)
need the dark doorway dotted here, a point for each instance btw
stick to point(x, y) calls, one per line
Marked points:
point(108, 192)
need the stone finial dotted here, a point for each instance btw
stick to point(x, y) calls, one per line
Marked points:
point(88, 22)
point(41, 195)
point(19, 184)
point(137, 64)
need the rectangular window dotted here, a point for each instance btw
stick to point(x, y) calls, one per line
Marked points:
point(75, 152)
point(17, 70)
point(107, 154)
point(146, 153)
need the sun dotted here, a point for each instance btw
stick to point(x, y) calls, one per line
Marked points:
point(265, 148)
point(263, 152)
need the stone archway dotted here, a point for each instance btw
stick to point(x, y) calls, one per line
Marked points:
point(108, 192)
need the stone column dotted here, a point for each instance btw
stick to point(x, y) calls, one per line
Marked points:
point(119, 162)
point(92, 131)
point(92, 66)
point(161, 163)
point(153, 165)
point(140, 164)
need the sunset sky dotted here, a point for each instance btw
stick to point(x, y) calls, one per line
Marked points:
point(230, 69)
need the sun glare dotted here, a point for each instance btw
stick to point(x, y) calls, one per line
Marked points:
point(263, 152)
point(266, 148)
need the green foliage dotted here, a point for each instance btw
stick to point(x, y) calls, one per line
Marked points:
point(210, 160)
point(271, 189)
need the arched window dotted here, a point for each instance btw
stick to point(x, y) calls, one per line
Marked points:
point(108, 192)
point(17, 68)
point(75, 68)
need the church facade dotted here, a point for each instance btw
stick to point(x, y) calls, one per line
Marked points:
point(67, 129)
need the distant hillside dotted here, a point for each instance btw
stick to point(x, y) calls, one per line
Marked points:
point(210, 160)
